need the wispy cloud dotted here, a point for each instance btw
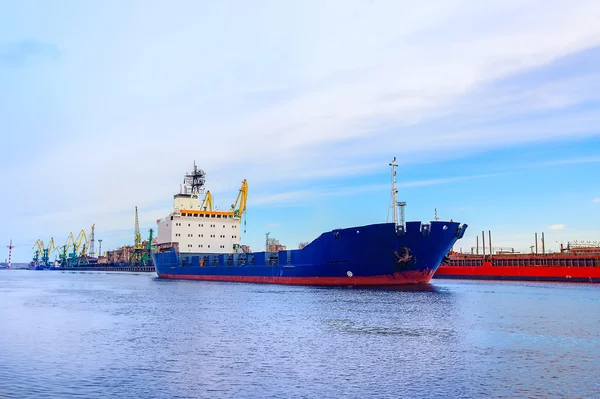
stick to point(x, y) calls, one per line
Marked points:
point(308, 195)
point(447, 180)
point(596, 200)
point(557, 227)
point(565, 161)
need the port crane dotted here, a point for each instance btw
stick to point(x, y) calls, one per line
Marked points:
point(207, 202)
point(239, 207)
point(62, 250)
point(240, 202)
point(141, 255)
point(42, 253)
point(38, 246)
point(46, 252)
point(80, 243)
point(79, 246)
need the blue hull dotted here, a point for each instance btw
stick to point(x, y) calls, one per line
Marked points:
point(377, 254)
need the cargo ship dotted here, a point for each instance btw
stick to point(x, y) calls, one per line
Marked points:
point(195, 242)
point(577, 262)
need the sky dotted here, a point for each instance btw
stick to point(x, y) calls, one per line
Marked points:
point(492, 111)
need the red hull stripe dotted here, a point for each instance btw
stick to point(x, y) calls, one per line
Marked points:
point(523, 271)
point(413, 277)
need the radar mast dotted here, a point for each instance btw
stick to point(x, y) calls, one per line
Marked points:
point(194, 181)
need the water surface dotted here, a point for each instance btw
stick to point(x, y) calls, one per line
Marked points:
point(99, 335)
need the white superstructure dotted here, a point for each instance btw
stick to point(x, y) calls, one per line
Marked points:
point(195, 227)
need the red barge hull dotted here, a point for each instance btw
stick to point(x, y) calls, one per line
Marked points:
point(573, 265)
point(527, 273)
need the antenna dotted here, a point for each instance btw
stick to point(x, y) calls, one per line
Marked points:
point(267, 242)
point(436, 215)
point(195, 180)
point(393, 202)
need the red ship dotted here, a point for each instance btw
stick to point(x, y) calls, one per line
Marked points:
point(577, 262)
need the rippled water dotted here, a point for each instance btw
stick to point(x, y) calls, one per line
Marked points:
point(100, 335)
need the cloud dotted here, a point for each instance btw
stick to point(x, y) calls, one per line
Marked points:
point(121, 120)
point(596, 200)
point(273, 225)
point(306, 196)
point(557, 227)
point(566, 161)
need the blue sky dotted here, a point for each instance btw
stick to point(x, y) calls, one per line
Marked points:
point(492, 111)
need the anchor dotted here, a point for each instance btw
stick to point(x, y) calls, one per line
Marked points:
point(406, 259)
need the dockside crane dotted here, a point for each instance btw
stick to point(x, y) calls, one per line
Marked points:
point(76, 258)
point(140, 255)
point(147, 255)
point(46, 252)
point(239, 208)
point(61, 253)
point(62, 250)
point(83, 260)
point(39, 251)
point(207, 202)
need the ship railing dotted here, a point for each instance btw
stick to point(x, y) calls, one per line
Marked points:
point(527, 261)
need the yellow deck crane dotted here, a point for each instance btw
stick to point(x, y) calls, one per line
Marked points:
point(239, 208)
point(207, 202)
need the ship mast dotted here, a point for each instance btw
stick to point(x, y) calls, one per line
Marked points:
point(393, 201)
point(195, 180)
